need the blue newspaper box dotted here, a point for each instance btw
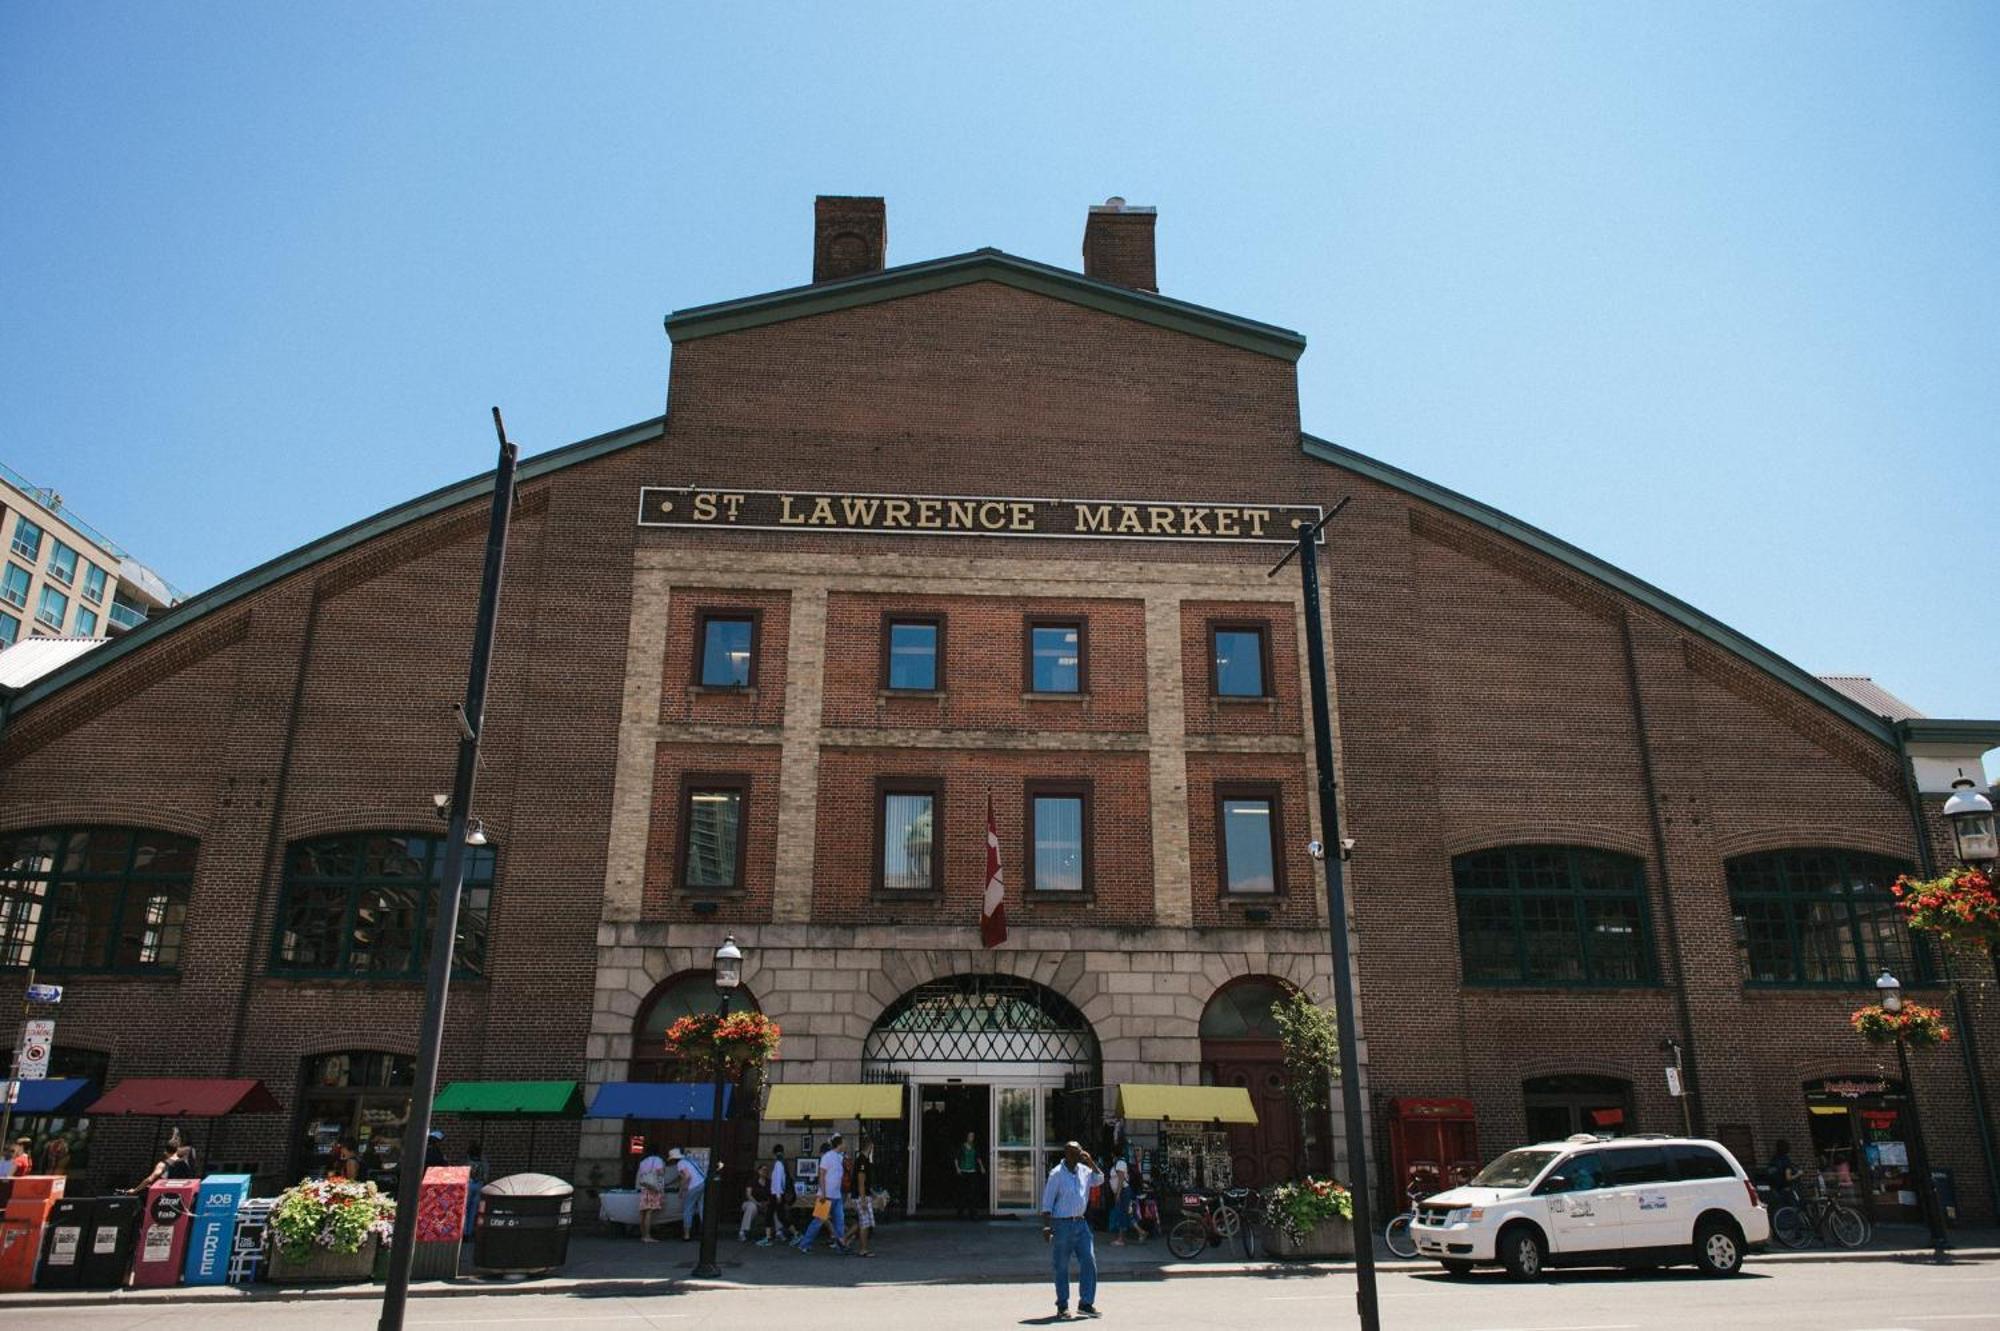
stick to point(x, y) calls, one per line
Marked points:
point(213, 1230)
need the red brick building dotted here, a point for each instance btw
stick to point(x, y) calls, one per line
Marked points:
point(909, 541)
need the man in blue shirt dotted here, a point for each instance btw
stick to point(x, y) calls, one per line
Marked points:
point(1065, 1198)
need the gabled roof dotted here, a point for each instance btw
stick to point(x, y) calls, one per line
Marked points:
point(988, 265)
point(243, 584)
point(1665, 603)
point(1864, 690)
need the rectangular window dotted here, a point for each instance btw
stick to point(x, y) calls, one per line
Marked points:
point(1055, 657)
point(1559, 915)
point(27, 540)
point(1058, 855)
point(10, 630)
point(712, 841)
point(728, 649)
point(1246, 838)
point(906, 818)
point(62, 563)
point(52, 609)
point(913, 654)
point(1821, 917)
point(94, 899)
point(1240, 660)
point(93, 583)
point(365, 905)
point(86, 623)
point(14, 585)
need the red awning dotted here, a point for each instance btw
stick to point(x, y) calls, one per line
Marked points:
point(189, 1097)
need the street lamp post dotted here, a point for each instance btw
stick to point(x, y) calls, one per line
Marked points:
point(728, 975)
point(1891, 991)
point(1971, 817)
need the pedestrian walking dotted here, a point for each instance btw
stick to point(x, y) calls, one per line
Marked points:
point(693, 1181)
point(778, 1227)
point(861, 1184)
point(652, 1185)
point(1123, 1221)
point(434, 1149)
point(22, 1160)
point(830, 1208)
point(1065, 1197)
point(971, 1169)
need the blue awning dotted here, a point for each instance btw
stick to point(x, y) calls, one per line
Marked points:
point(56, 1095)
point(658, 1100)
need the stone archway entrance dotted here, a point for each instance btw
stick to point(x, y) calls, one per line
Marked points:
point(1004, 1061)
point(1240, 1047)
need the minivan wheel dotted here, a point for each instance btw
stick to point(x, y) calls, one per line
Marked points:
point(1522, 1253)
point(1718, 1249)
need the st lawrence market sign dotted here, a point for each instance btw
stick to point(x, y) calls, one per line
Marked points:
point(960, 515)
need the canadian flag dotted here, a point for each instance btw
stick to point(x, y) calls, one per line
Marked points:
point(993, 912)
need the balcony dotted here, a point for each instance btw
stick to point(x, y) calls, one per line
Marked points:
point(123, 616)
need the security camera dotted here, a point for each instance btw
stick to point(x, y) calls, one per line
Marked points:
point(464, 721)
point(1316, 849)
point(1347, 848)
point(441, 802)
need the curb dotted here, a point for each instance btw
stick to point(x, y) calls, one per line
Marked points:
point(615, 1286)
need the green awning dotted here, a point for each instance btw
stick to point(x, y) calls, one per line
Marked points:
point(511, 1099)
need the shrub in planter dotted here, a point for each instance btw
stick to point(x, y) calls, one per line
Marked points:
point(1310, 1217)
point(319, 1221)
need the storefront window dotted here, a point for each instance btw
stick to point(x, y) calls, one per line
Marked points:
point(359, 1098)
point(1821, 917)
point(364, 904)
point(94, 898)
point(1860, 1143)
point(1566, 915)
point(1561, 1106)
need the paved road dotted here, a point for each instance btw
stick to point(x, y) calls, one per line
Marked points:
point(1833, 1296)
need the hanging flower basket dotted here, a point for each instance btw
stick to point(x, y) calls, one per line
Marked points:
point(1919, 1026)
point(742, 1039)
point(1959, 907)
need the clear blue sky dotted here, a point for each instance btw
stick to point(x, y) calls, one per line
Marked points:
point(1712, 290)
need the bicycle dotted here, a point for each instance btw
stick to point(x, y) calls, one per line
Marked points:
point(1250, 1204)
point(1397, 1232)
point(1204, 1222)
point(1820, 1216)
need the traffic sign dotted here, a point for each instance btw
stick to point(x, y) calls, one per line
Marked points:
point(39, 1034)
point(45, 993)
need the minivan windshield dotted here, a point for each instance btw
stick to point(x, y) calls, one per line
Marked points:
point(1516, 1169)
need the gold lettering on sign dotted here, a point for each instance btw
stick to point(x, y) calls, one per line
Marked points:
point(959, 512)
point(785, 515)
point(993, 515)
point(929, 514)
point(1194, 522)
point(1162, 520)
point(860, 512)
point(822, 513)
point(1225, 522)
point(1093, 517)
point(895, 512)
point(1024, 516)
point(1257, 517)
point(704, 508)
point(1128, 522)
point(734, 503)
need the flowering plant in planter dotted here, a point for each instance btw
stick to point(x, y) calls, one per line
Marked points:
point(1920, 1026)
point(1959, 906)
point(742, 1039)
point(338, 1215)
point(1296, 1207)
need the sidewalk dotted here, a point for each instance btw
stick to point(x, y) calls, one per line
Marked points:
point(908, 1253)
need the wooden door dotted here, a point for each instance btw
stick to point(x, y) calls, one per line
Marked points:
point(1273, 1148)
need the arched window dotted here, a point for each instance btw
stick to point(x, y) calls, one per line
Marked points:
point(1821, 917)
point(362, 904)
point(1242, 1011)
point(674, 998)
point(1555, 915)
point(94, 898)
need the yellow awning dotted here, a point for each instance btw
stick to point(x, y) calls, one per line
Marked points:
point(791, 1102)
point(1186, 1104)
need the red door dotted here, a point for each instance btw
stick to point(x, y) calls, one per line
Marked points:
point(1273, 1148)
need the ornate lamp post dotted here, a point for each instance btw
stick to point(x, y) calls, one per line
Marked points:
point(1971, 817)
point(728, 975)
point(1890, 991)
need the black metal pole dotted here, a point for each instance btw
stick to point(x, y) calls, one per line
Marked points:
point(430, 1041)
point(1920, 1159)
point(1344, 998)
point(705, 1267)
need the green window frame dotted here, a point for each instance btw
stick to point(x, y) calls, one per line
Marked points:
point(362, 905)
point(1822, 918)
point(1553, 917)
point(111, 899)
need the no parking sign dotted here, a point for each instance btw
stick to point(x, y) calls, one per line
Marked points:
point(39, 1035)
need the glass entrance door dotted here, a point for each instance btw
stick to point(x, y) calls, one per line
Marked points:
point(1017, 1145)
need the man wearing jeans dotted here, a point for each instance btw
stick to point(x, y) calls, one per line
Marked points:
point(832, 1168)
point(1065, 1198)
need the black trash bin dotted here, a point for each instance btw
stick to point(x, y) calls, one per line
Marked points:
point(68, 1238)
point(107, 1245)
point(523, 1224)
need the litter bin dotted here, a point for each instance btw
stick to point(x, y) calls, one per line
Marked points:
point(107, 1251)
point(163, 1244)
point(523, 1224)
point(213, 1229)
point(62, 1254)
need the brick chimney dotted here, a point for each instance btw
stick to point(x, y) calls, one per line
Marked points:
point(850, 236)
point(1118, 244)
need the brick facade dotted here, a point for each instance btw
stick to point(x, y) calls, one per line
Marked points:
point(1486, 694)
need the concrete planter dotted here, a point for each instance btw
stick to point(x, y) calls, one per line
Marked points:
point(1329, 1238)
point(323, 1267)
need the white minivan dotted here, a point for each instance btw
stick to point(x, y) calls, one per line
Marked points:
point(1598, 1201)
